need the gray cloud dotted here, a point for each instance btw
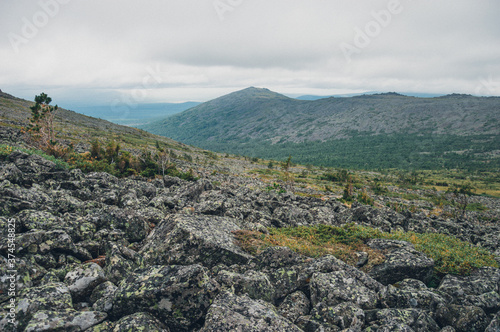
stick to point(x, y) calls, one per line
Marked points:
point(98, 51)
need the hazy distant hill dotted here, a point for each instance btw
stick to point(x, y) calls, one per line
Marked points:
point(410, 94)
point(369, 131)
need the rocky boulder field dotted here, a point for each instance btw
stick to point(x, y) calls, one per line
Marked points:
point(92, 252)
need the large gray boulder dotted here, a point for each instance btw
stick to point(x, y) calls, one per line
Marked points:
point(55, 296)
point(462, 318)
point(177, 295)
point(494, 325)
point(294, 306)
point(190, 239)
point(120, 262)
point(411, 293)
point(230, 312)
point(255, 284)
point(82, 280)
point(402, 262)
point(417, 320)
point(342, 316)
point(337, 287)
point(102, 296)
point(481, 288)
point(328, 264)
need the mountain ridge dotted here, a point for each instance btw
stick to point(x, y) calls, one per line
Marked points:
point(259, 116)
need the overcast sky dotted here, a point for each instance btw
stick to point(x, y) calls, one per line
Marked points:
point(122, 51)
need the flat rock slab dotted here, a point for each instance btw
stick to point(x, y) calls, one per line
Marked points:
point(190, 239)
point(69, 320)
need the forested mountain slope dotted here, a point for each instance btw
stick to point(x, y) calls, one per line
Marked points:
point(372, 131)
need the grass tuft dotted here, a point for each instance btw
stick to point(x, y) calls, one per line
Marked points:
point(450, 254)
point(6, 150)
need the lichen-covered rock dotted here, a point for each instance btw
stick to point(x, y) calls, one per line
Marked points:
point(132, 224)
point(82, 281)
point(278, 257)
point(391, 327)
point(40, 220)
point(11, 173)
point(191, 192)
point(191, 239)
point(141, 321)
point(295, 305)
point(284, 268)
point(102, 297)
point(292, 216)
point(79, 229)
point(178, 295)
point(308, 324)
point(255, 284)
point(337, 287)
point(286, 280)
point(462, 318)
point(402, 319)
point(31, 163)
point(151, 215)
point(411, 293)
point(494, 325)
point(22, 279)
point(345, 315)
point(327, 264)
point(42, 242)
point(65, 217)
point(105, 326)
point(49, 278)
point(54, 296)
point(448, 329)
point(489, 302)
point(480, 281)
point(402, 262)
point(230, 312)
point(15, 198)
point(481, 288)
point(67, 320)
point(120, 261)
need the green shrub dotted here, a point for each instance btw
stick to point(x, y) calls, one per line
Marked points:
point(476, 207)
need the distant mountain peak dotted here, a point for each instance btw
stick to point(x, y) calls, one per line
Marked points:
point(390, 94)
point(255, 93)
point(457, 95)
